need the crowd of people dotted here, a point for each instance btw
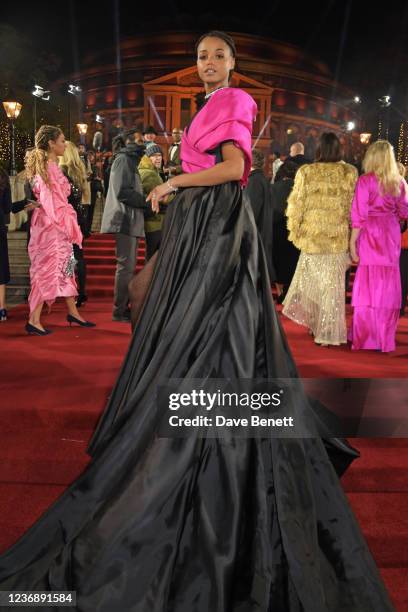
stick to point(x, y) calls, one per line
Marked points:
point(315, 219)
point(324, 218)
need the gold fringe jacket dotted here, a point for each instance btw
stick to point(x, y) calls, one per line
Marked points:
point(319, 206)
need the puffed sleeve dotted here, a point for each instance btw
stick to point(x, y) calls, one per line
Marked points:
point(359, 207)
point(296, 206)
point(43, 194)
point(403, 201)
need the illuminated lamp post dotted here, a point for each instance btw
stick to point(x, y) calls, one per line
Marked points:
point(73, 90)
point(13, 110)
point(350, 127)
point(82, 129)
point(365, 138)
point(42, 94)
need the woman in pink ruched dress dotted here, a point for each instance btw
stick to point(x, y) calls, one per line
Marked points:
point(380, 202)
point(54, 230)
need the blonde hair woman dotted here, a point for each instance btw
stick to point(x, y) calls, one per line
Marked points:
point(73, 168)
point(404, 254)
point(54, 229)
point(71, 162)
point(318, 222)
point(380, 201)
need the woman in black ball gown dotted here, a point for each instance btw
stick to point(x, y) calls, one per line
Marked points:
point(198, 524)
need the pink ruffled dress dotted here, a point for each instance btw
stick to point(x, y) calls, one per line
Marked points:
point(54, 229)
point(377, 287)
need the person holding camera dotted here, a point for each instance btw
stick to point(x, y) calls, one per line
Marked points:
point(124, 216)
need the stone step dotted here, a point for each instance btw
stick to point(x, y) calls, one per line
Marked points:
point(19, 279)
point(20, 257)
point(17, 295)
point(17, 247)
point(19, 269)
point(15, 236)
point(15, 285)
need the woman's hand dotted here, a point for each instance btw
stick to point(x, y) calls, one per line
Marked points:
point(353, 252)
point(157, 195)
point(31, 205)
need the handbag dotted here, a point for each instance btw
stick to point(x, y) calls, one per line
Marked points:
point(70, 265)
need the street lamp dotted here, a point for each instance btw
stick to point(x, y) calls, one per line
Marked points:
point(73, 90)
point(385, 101)
point(365, 138)
point(39, 92)
point(82, 129)
point(12, 109)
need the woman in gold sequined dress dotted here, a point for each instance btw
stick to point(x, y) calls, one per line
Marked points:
point(318, 222)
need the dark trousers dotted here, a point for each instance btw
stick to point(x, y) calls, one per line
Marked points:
point(152, 243)
point(94, 195)
point(126, 247)
point(404, 277)
point(81, 269)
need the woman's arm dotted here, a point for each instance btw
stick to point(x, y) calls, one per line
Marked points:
point(353, 239)
point(359, 213)
point(231, 169)
point(296, 206)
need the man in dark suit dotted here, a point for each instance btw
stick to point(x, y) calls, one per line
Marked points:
point(173, 158)
point(297, 154)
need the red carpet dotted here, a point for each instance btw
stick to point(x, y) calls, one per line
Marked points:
point(53, 390)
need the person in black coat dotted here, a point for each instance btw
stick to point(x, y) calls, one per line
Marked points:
point(284, 254)
point(258, 194)
point(5, 209)
point(297, 154)
point(123, 216)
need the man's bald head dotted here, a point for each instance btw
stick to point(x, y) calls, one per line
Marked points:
point(297, 149)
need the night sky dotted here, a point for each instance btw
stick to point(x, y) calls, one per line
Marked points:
point(365, 48)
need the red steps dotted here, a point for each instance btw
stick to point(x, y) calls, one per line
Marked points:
point(99, 252)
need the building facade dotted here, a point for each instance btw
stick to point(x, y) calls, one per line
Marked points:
point(155, 82)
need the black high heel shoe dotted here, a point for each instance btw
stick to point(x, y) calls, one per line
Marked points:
point(3, 314)
point(71, 319)
point(36, 331)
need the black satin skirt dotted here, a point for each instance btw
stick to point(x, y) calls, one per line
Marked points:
point(198, 524)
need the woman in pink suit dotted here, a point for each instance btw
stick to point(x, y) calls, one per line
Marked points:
point(380, 201)
point(54, 229)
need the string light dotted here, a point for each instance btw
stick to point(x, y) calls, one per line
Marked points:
point(22, 141)
point(404, 158)
point(401, 139)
